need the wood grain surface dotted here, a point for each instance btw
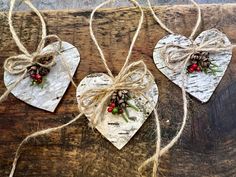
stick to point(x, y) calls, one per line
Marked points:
point(206, 149)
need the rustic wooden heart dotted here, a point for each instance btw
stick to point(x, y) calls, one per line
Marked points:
point(114, 127)
point(199, 85)
point(57, 81)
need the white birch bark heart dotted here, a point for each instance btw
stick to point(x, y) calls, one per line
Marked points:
point(57, 81)
point(114, 127)
point(199, 85)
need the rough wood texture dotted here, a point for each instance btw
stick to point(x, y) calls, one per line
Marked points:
point(208, 145)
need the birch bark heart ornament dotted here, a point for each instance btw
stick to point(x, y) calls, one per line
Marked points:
point(199, 84)
point(57, 81)
point(179, 57)
point(41, 78)
point(113, 127)
point(96, 90)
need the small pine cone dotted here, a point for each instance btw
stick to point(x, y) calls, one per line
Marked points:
point(205, 54)
point(121, 101)
point(205, 64)
point(114, 93)
point(117, 99)
point(120, 93)
point(45, 60)
point(123, 105)
point(192, 57)
point(205, 59)
point(32, 72)
point(125, 91)
point(43, 71)
point(208, 63)
point(128, 95)
point(113, 100)
point(195, 57)
point(193, 61)
point(42, 60)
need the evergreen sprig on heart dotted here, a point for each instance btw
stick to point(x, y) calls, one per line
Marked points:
point(200, 62)
point(119, 103)
point(38, 73)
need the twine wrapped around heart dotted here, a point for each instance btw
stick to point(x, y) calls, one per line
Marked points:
point(177, 60)
point(18, 65)
point(98, 97)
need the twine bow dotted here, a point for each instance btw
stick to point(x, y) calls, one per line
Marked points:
point(19, 64)
point(177, 59)
point(135, 78)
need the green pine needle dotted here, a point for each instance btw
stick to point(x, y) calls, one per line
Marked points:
point(132, 106)
point(124, 117)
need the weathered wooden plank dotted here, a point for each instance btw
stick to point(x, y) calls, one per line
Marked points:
point(207, 147)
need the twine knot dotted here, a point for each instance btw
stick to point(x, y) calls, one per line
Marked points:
point(177, 56)
point(135, 78)
point(19, 64)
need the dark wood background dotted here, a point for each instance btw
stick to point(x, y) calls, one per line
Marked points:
point(208, 145)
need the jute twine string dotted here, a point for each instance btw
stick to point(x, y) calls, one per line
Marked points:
point(36, 134)
point(131, 77)
point(122, 81)
point(99, 97)
point(179, 62)
point(196, 27)
point(18, 65)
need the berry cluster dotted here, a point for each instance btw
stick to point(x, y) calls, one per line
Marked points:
point(193, 67)
point(119, 103)
point(200, 62)
point(37, 73)
point(114, 109)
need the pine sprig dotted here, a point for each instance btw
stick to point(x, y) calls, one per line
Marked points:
point(120, 102)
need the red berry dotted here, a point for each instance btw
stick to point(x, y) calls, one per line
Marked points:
point(38, 76)
point(190, 70)
point(109, 109)
point(112, 105)
point(198, 69)
point(194, 66)
point(32, 76)
point(121, 111)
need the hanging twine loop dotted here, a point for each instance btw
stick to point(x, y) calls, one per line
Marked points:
point(18, 65)
point(176, 60)
point(131, 77)
point(196, 27)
